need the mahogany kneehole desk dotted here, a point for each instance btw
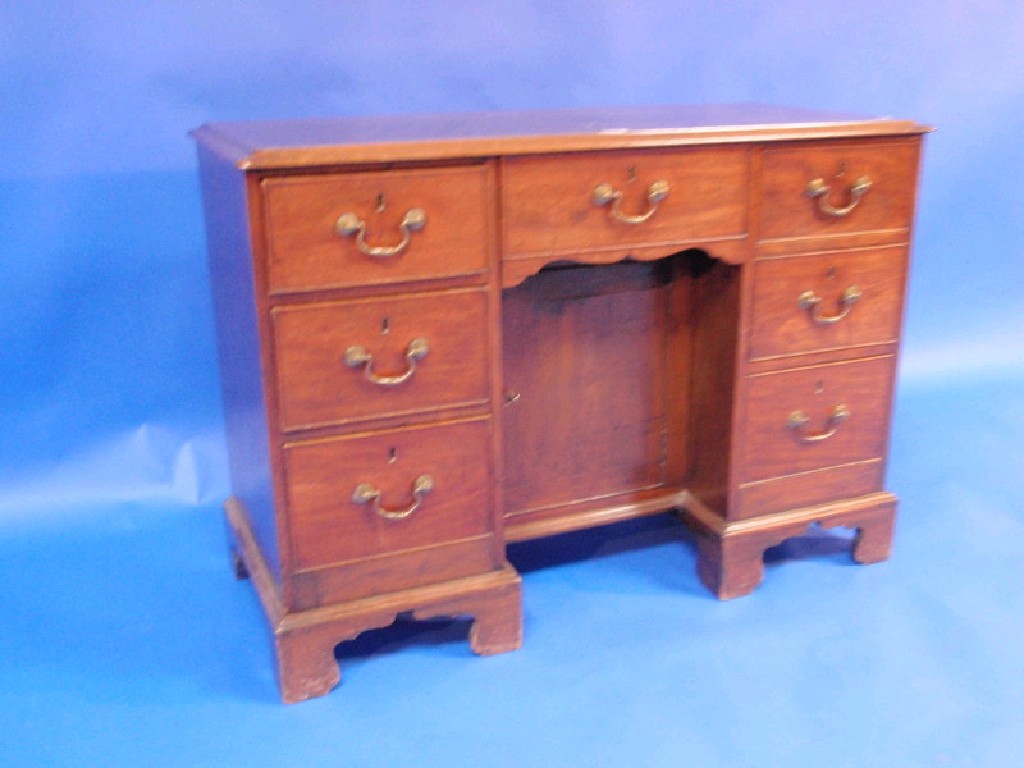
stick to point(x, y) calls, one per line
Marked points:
point(441, 334)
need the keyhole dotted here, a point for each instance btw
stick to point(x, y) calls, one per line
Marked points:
point(392, 455)
point(631, 174)
point(842, 169)
point(830, 273)
point(819, 387)
point(385, 325)
point(381, 203)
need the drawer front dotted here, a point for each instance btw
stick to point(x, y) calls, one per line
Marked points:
point(794, 422)
point(550, 204)
point(788, 209)
point(307, 251)
point(827, 301)
point(329, 525)
point(348, 360)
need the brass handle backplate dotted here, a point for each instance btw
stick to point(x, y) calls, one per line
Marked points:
point(811, 302)
point(349, 224)
point(606, 193)
point(798, 421)
point(357, 356)
point(365, 493)
point(818, 189)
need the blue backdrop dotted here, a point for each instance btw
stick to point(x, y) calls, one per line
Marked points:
point(111, 451)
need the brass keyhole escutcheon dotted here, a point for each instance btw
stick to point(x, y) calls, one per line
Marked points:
point(381, 203)
point(385, 325)
point(392, 455)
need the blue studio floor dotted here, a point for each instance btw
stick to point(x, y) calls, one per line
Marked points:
point(127, 642)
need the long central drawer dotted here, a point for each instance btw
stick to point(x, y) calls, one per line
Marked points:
point(552, 205)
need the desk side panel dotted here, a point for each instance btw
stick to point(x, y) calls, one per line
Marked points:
point(229, 248)
point(716, 310)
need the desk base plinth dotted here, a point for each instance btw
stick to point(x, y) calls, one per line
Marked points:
point(304, 641)
point(730, 555)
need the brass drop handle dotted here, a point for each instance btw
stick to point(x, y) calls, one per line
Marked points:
point(817, 188)
point(349, 224)
point(365, 493)
point(811, 302)
point(606, 193)
point(358, 356)
point(798, 421)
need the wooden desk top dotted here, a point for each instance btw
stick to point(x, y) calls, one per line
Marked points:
point(290, 143)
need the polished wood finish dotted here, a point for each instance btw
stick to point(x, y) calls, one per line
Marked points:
point(227, 196)
point(328, 526)
point(806, 489)
point(306, 252)
point(587, 433)
point(887, 208)
point(771, 449)
point(318, 388)
point(549, 209)
point(304, 641)
point(581, 368)
point(290, 144)
point(873, 319)
point(731, 562)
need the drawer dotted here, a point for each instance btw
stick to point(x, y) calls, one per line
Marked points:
point(550, 205)
point(307, 251)
point(324, 477)
point(794, 421)
point(788, 208)
point(827, 301)
point(349, 360)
